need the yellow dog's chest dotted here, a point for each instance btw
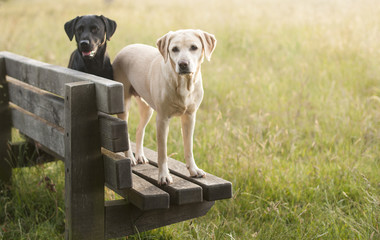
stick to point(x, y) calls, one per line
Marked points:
point(181, 104)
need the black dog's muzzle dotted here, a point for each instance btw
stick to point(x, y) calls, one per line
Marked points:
point(84, 44)
point(86, 50)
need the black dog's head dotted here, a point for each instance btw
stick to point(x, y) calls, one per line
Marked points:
point(91, 33)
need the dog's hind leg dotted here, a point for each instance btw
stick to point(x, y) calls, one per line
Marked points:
point(146, 113)
point(124, 116)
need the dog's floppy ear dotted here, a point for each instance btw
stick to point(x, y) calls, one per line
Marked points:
point(208, 41)
point(70, 27)
point(163, 45)
point(110, 26)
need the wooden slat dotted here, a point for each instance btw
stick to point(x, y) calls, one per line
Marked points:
point(34, 100)
point(5, 126)
point(38, 129)
point(51, 108)
point(214, 188)
point(113, 133)
point(181, 191)
point(123, 219)
point(84, 169)
point(144, 195)
point(117, 170)
point(109, 94)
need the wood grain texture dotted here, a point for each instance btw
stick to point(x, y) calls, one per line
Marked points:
point(214, 188)
point(181, 191)
point(117, 170)
point(41, 103)
point(123, 219)
point(109, 94)
point(51, 108)
point(144, 195)
point(45, 133)
point(113, 133)
point(84, 169)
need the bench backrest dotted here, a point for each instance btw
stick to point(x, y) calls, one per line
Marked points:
point(67, 113)
point(36, 95)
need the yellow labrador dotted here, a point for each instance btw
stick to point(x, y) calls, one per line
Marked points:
point(167, 80)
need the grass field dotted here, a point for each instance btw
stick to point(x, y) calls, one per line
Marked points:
point(291, 113)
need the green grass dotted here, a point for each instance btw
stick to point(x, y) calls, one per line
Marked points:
point(291, 114)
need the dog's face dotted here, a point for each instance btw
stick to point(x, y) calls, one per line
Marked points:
point(186, 49)
point(91, 33)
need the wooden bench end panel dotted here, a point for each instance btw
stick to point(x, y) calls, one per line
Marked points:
point(113, 133)
point(117, 170)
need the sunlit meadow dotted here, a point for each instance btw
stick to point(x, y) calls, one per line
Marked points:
point(291, 113)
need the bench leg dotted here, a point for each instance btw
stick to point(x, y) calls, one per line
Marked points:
point(84, 170)
point(5, 126)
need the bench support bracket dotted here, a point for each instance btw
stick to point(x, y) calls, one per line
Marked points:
point(123, 219)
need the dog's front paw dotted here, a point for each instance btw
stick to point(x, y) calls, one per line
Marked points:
point(164, 178)
point(196, 172)
point(129, 155)
point(142, 159)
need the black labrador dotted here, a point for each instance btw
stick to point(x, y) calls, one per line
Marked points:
point(91, 33)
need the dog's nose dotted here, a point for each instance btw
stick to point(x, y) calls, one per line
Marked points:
point(183, 65)
point(84, 43)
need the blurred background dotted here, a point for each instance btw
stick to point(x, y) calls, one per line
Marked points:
point(291, 113)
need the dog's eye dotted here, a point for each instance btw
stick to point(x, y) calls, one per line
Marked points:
point(193, 48)
point(94, 29)
point(175, 49)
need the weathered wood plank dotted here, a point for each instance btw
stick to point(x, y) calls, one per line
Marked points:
point(51, 108)
point(214, 188)
point(113, 133)
point(123, 219)
point(84, 169)
point(39, 102)
point(38, 129)
point(5, 126)
point(109, 94)
point(181, 191)
point(117, 170)
point(144, 195)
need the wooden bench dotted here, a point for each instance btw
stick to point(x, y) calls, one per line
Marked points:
point(68, 115)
